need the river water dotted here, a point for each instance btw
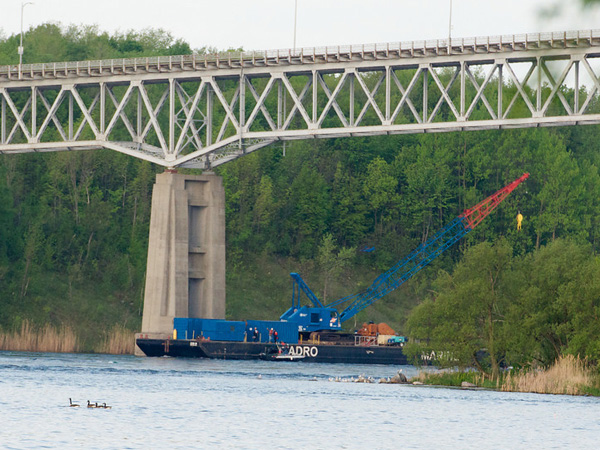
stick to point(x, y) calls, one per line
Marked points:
point(168, 403)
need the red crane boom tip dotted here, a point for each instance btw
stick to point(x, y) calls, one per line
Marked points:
point(477, 213)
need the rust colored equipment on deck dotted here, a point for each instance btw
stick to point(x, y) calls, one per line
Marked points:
point(373, 329)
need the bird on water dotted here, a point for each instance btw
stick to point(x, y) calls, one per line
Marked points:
point(75, 405)
point(98, 405)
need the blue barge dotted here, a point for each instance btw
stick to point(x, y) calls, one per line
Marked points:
point(314, 331)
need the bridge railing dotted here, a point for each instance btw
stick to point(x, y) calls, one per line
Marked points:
point(323, 54)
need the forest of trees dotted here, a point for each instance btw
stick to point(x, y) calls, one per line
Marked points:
point(74, 232)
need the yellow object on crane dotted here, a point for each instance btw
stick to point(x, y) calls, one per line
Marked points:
point(519, 220)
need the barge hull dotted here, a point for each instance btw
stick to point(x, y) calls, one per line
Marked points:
point(319, 353)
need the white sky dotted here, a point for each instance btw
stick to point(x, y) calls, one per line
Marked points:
point(268, 24)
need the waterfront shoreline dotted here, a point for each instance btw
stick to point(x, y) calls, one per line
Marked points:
point(569, 375)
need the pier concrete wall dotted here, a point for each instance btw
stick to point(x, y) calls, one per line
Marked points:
point(185, 275)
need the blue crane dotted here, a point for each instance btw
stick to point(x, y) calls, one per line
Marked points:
point(319, 317)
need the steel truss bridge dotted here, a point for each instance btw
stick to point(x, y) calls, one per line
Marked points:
point(204, 110)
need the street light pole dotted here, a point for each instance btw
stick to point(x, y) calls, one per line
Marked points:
point(295, 17)
point(450, 29)
point(294, 51)
point(23, 5)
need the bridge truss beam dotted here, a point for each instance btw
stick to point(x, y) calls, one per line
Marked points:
point(194, 111)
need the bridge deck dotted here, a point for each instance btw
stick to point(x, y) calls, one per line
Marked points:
point(519, 43)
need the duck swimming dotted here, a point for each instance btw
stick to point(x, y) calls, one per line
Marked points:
point(75, 405)
point(92, 405)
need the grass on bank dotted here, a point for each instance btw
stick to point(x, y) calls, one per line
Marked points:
point(568, 375)
point(85, 307)
point(455, 378)
point(118, 341)
point(47, 339)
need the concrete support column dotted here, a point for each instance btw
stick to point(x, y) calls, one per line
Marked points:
point(185, 275)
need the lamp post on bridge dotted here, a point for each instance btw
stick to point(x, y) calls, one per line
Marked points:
point(294, 46)
point(20, 50)
point(450, 29)
point(295, 19)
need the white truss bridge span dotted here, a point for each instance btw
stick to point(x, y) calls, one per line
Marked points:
point(204, 110)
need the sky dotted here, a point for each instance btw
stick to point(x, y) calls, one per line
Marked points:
point(269, 24)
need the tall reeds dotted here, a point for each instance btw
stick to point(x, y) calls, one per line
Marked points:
point(568, 375)
point(46, 339)
point(118, 341)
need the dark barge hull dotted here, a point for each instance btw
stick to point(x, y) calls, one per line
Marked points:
point(322, 353)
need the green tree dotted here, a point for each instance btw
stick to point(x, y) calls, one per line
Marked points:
point(541, 309)
point(580, 297)
point(264, 207)
point(379, 188)
point(348, 209)
point(310, 207)
point(332, 261)
point(426, 172)
point(466, 316)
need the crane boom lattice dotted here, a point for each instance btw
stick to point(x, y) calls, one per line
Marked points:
point(326, 318)
point(408, 267)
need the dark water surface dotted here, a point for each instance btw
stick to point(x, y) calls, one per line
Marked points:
point(166, 403)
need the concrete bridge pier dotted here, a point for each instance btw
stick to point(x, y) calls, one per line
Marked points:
point(185, 275)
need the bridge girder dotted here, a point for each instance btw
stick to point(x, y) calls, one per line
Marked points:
point(202, 111)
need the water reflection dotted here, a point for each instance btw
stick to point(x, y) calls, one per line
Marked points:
point(185, 403)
